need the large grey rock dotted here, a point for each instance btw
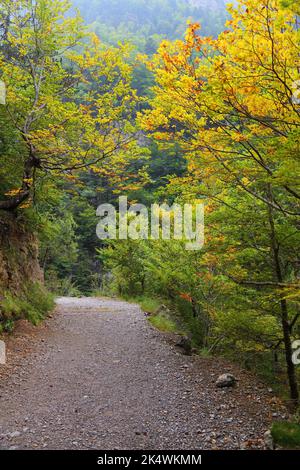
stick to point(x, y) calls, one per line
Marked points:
point(225, 380)
point(186, 345)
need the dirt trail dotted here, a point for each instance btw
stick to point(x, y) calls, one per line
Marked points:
point(97, 375)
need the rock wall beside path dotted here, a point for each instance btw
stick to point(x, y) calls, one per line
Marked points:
point(19, 263)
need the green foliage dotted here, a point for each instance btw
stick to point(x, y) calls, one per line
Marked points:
point(10, 306)
point(33, 304)
point(247, 330)
point(162, 323)
point(149, 305)
point(62, 287)
point(159, 270)
point(38, 302)
point(158, 315)
point(125, 260)
point(286, 434)
point(293, 4)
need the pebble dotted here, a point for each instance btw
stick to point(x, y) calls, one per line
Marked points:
point(14, 434)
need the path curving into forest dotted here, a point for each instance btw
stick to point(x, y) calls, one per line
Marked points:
point(97, 375)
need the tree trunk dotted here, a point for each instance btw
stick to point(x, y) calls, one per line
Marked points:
point(31, 164)
point(13, 202)
point(291, 371)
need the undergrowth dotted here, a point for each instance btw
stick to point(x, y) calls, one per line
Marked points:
point(163, 323)
point(158, 313)
point(286, 434)
point(32, 304)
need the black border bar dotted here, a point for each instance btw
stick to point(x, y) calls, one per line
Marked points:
point(140, 458)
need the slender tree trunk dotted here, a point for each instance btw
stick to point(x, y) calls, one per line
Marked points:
point(276, 366)
point(291, 371)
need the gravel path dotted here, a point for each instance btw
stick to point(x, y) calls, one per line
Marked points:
point(97, 375)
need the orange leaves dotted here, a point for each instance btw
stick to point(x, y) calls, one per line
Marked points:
point(153, 119)
point(26, 205)
point(186, 296)
point(13, 192)
point(192, 38)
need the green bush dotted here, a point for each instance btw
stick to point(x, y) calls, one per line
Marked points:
point(64, 287)
point(286, 434)
point(162, 323)
point(10, 307)
point(37, 303)
point(32, 304)
point(7, 326)
point(148, 305)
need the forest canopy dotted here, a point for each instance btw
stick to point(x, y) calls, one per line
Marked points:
point(146, 22)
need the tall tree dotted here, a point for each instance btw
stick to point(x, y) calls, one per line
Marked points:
point(69, 100)
point(230, 104)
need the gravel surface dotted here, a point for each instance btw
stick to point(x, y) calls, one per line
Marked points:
point(96, 375)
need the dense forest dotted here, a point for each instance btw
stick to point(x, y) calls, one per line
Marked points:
point(137, 98)
point(146, 23)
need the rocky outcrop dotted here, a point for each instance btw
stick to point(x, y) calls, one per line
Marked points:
point(18, 254)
